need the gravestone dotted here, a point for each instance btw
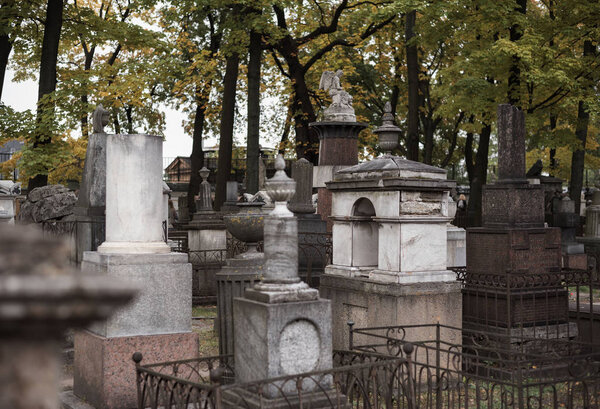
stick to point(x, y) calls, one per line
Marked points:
point(338, 139)
point(564, 216)
point(281, 326)
point(311, 256)
point(591, 240)
point(89, 212)
point(207, 243)
point(390, 220)
point(158, 322)
point(231, 197)
point(513, 248)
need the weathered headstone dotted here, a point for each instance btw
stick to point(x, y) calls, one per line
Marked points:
point(134, 250)
point(390, 220)
point(281, 326)
point(311, 257)
point(207, 242)
point(231, 197)
point(89, 212)
point(513, 244)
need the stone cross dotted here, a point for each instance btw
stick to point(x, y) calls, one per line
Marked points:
point(281, 282)
point(301, 202)
point(511, 144)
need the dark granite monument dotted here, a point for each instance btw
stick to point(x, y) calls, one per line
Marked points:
point(513, 261)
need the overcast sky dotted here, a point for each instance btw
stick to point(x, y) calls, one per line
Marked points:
point(23, 95)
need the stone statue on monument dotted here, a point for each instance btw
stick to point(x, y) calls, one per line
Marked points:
point(100, 119)
point(341, 102)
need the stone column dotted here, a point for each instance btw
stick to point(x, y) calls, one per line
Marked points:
point(207, 242)
point(309, 223)
point(511, 144)
point(591, 241)
point(338, 149)
point(281, 327)
point(158, 322)
point(49, 298)
point(134, 203)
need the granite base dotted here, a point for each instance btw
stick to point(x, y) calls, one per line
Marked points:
point(373, 304)
point(164, 304)
point(104, 373)
point(273, 340)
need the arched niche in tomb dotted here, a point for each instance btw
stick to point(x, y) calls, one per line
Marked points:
point(365, 234)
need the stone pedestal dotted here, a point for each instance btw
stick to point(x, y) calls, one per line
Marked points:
point(338, 148)
point(281, 327)
point(513, 262)
point(282, 339)
point(134, 188)
point(372, 304)
point(157, 324)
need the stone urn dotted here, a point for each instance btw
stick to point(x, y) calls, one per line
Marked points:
point(247, 225)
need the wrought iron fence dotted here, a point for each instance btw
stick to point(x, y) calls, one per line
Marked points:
point(315, 251)
point(477, 371)
point(357, 380)
point(77, 233)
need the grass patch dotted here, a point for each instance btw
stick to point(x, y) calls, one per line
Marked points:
point(208, 338)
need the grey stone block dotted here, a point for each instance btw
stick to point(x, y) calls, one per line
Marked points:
point(274, 340)
point(163, 306)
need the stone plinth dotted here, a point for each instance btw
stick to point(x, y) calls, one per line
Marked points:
point(104, 374)
point(338, 147)
point(282, 339)
point(338, 142)
point(513, 251)
point(232, 281)
point(163, 306)
point(513, 205)
point(157, 323)
point(134, 211)
point(371, 304)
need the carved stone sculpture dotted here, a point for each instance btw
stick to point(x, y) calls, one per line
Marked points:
point(341, 105)
point(100, 119)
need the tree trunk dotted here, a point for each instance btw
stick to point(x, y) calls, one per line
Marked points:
point(552, 170)
point(412, 66)
point(578, 158)
point(5, 48)
point(197, 156)
point(477, 172)
point(514, 78)
point(227, 122)
point(89, 56)
point(253, 141)
point(307, 142)
point(47, 81)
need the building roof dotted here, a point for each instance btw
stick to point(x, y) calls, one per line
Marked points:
point(12, 146)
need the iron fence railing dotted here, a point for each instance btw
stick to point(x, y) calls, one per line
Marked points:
point(357, 380)
point(476, 371)
point(77, 233)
